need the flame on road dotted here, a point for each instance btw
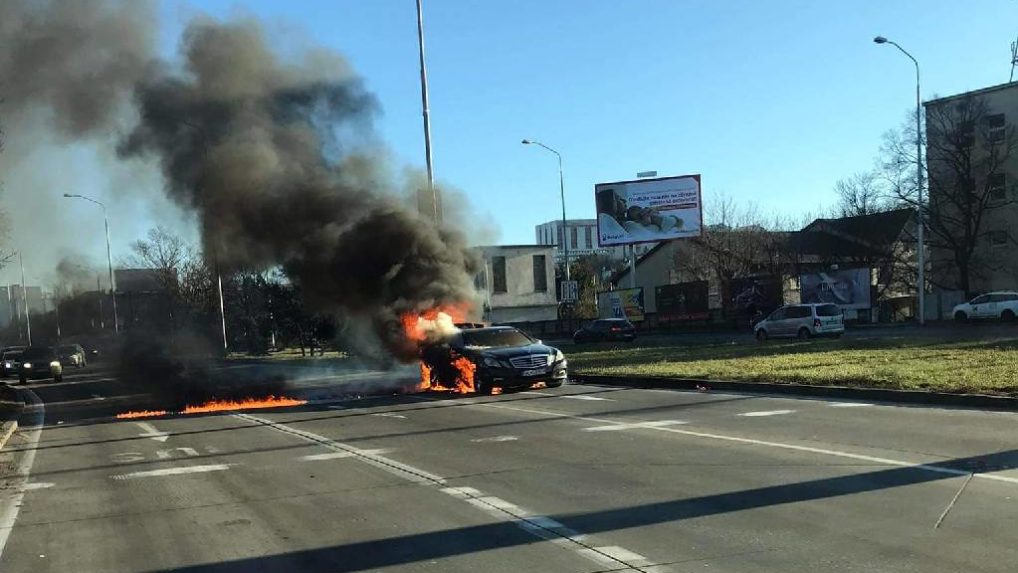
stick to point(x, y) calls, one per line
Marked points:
point(219, 406)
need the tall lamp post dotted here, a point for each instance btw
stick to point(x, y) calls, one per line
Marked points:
point(562, 193)
point(921, 248)
point(109, 257)
point(427, 121)
point(24, 297)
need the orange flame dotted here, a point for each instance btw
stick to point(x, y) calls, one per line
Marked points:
point(418, 325)
point(245, 404)
point(496, 391)
point(219, 406)
point(464, 378)
point(141, 414)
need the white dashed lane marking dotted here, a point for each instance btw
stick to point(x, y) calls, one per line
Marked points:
point(634, 426)
point(766, 413)
point(390, 415)
point(585, 397)
point(848, 404)
point(338, 455)
point(173, 471)
point(495, 439)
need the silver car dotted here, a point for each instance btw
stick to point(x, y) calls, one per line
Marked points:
point(802, 321)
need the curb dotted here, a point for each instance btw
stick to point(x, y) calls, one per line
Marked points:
point(918, 397)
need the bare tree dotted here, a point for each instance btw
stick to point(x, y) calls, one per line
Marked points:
point(861, 194)
point(967, 149)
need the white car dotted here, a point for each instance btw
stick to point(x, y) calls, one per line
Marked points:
point(802, 321)
point(1002, 305)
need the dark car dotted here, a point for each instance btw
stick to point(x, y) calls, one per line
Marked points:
point(606, 329)
point(10, 361)
point(72, 355)
point(504, 358)
point(40, 362)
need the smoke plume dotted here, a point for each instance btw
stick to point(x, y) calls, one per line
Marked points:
point(266, 150)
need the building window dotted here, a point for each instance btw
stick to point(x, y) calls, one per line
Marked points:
point(573, 234)
point(498, 275)
point(561, 242)
point(996, 124)
point(998, 238)
point(587, 236)
point(967, 134)
point(996, 186)
point(540, 274)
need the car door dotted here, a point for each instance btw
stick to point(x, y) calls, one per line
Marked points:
point(980, 306)
point(798, 317)
point(775, 323)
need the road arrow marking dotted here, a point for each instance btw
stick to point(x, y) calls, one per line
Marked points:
point(152, 432)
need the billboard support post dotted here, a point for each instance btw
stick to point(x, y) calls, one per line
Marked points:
point(632, 266)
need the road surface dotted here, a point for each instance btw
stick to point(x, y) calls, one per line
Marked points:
point(581, 478)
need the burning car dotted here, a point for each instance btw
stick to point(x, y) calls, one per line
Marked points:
point(486, 360)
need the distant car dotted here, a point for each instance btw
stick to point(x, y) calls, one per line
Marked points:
point(72, 355)
point(606, 329)
point(802, 321)
point(10, 361)
point(1002, 305)
point(504, 358)
point(40, 362)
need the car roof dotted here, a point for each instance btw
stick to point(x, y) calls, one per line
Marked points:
point(1000, 292)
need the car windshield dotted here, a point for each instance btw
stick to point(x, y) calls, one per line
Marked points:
point(12, 355)
point(37, 352)
point(828, 310)
point(495, 338)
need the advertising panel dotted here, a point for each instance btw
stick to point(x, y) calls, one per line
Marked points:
point(748, 297)
point(648, 210)
point(847, 288)
point(682, 302)
point(621, 303)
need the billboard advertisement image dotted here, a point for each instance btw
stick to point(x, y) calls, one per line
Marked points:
point(681, 302)
point(751, 296)
point(847, 288)
point(648, 210)
point(621, 303)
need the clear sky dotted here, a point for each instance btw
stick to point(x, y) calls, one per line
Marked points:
point(772, 102)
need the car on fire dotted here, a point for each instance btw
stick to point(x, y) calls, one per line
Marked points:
point(503, 358)
point(40, 362)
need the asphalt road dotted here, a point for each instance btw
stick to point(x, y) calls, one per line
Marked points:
point(580, 478)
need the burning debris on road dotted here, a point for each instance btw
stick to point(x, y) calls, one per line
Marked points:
point(218, 406)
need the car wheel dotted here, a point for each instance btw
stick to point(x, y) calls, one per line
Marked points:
point(58, 378)
point(22, 379)
point(761, 335)
point(1007, 315)
point(804, 333)
point(554, 384)
point(482, 388)
point(960, 317)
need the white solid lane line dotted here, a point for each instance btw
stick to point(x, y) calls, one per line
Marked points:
point(183, 470)
point(585, 397)
point(763, 443)
point(766, 413)
point(36, 412)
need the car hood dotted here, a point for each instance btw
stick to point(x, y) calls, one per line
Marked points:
point(509, 352)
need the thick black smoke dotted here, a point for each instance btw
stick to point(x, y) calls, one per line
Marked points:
point(264, 150)
point(268, 150)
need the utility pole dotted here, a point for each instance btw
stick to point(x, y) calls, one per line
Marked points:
point(427, 120)
point(24, 296)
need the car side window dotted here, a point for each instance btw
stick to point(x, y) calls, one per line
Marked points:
point(981, 299)
point(780, 314)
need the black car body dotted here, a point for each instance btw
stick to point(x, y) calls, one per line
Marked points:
point(71, 355)
point(10, 361)
point(504, 358)
point(40, 362)
point(606, 329)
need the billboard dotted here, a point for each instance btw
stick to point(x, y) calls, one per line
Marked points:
point(621, 303)
point(681, 302)
point(750, 296)
point(847, 288)
point(648, 210)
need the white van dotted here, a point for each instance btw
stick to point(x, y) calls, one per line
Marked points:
point(802, 321)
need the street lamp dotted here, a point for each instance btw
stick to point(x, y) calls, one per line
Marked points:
point(24, 297)
point(109, 257)
point(921, 248)
point(562, 192)
point(427, 121)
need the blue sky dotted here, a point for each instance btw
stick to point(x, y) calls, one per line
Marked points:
point(771, 102)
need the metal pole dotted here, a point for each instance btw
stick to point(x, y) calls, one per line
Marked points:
point(99, 295)
point(427, 121)
point(222, 309)
point(113, 284)
point(565, 228)
point(24, 296)
point(632, 266)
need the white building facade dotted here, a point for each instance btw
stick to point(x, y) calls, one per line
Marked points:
point(581, 235)
point(518, 283)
